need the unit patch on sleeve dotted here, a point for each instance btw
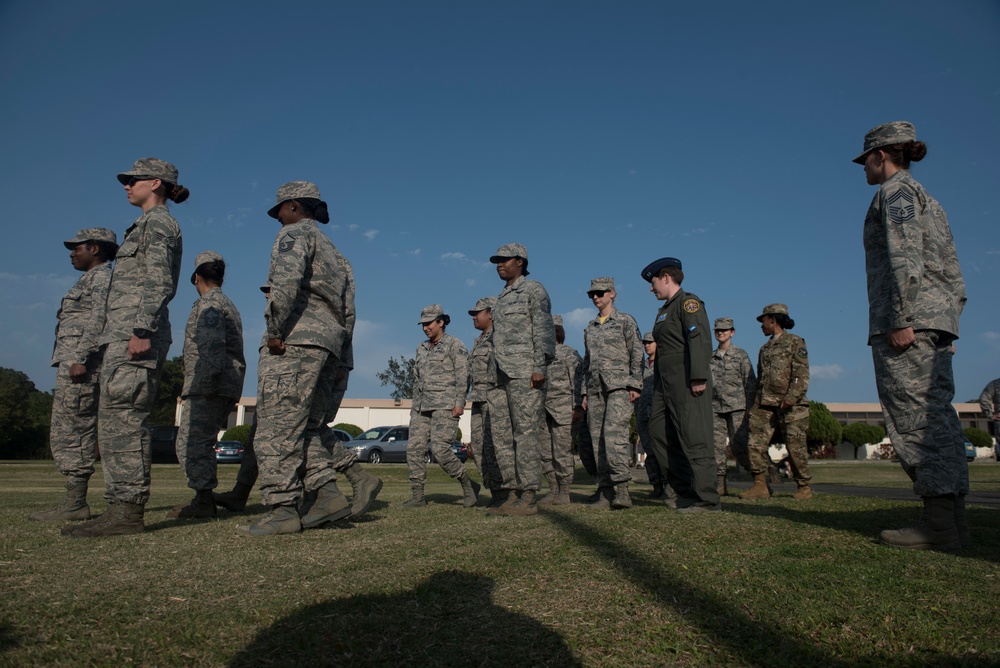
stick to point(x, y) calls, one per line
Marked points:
point(691, 306)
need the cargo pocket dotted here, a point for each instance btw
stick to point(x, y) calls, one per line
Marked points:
point(128, 386)
point(277, 388)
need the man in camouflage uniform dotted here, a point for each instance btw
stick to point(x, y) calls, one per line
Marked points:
point(308, 334)
point(440, 383)
point(213, 382)
point(563, 406)
point(77, 355)
point(136, 338)
point(480, 361)
point(524, 343)
point(780, 403)
point(989, 402)
point(916, 295)
point(612, 372)
point(680, 426)
point(733, 381)
point(643, 411)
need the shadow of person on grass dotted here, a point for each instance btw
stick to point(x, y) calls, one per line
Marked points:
point(447, 620)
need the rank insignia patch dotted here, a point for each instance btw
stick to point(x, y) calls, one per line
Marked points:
point(286, 244)
point(212, 316)
point(901, 209)
point(691, 306)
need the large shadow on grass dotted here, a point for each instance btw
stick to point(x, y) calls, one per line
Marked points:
point(8, 638)
point(447, 620)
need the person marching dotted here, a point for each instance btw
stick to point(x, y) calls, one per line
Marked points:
point(480, 359)
point(916, 295)
point(612, 373)
point(77, 356)
point(780, 403)
point(440, 383)
point(563, 399)
point(213, 382)
point(680, 425)
point(136, 338)
point(733, 381)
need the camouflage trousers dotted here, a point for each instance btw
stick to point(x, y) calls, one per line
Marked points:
point(293, 391)
point(128, 389)
point(585, 446)
point(916, 388)
point(653, 469)
point(732, 429)
point(792, 423)
point(202, 416)
point(680, 434)
point(434, 431)
point(557, 450)
point(516, 420)
point(481, 446)
point(73, 434)
point(608, 416)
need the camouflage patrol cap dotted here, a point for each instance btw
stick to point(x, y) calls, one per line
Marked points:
point(205, 257)
point(724, 323)
point(293, 190)
point(773, 309)
point(604, 283)
point(887, 134)
point(557, 320)
point(484, 304)
point(508, 251)
point(153, 168)
point(648, 338)
point(430, 313)
point(92, 234)
point(654, 267)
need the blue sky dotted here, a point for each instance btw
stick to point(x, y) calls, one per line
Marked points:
point(602, 135)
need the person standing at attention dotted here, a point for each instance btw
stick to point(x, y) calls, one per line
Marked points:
point(733, 381)
point(563, 397)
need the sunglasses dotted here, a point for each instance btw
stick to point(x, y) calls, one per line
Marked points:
point(597, 293)
point(135, 179)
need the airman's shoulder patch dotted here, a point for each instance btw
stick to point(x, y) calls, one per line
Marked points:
point(286, 244)
point(803, 352)
point(212, 317)
point(691, 305)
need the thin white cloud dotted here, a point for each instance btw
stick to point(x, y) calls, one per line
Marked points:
point(990, 337)
point(462, 257)
point(370, 234)
point(352, 228)
point(416, 251)
point(454, 256)
point(826, 371)
point(470, 282)
point(578, 318)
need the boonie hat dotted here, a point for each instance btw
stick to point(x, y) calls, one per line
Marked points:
point(430, 313)
point(508, 251)
point(92, 234)
point(773, 309)
point(887, 134)
point(604, 283)
point(293, 190)
point(653, 268)
point(486, 303)
point(724, 323)
point(153, 168)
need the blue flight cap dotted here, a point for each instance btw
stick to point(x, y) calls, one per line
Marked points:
point(653, 268)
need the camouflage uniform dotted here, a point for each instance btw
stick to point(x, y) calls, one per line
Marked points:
point(73, 435)
point(612, 365)
point(643, 410)
point(914, 280)
point(989, 402)
point(309, 307)
point(144, 280)
point(524, 343)
point(563, 394)
point(481, 441)
point(441, 380)
point(733, 381)
point(782, 375)
point(213, 381)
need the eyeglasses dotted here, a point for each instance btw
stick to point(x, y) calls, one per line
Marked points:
point(597, 293)
point(135, 179)
point(722, 331)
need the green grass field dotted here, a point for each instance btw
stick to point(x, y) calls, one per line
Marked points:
point(778, 583)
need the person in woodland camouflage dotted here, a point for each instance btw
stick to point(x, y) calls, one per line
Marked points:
point(916, 295)
point(989, 403)
point(309, 331)
point(733, 381)
point(77, 356)
point(480, 359)
point(213, 381)
point(643, 411)
point(612, 381)
point(780, 403)
point(136, 338)
point(563, 407)
point(524, 343)
point(440, 383)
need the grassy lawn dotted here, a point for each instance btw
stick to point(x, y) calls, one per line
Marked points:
point(779, 583)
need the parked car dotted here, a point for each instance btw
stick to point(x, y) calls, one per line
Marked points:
point(457, 448)
point(381, 444)
point(163, 444)
point(970, 451)
point(342, 435)
point(229, 452)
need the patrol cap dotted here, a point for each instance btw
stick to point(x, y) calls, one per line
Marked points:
point(486, 303)
point(508, 251)
point(648, 337)
point(887, 134)
point(724, 323)
point(654, 267)
point(557, 320)
point(604, 283)
point(153, 168)
point(430, 313)
point(773, 309)
point(205, 257)
point(92, 234)
point(293, 190)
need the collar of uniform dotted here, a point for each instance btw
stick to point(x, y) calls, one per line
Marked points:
point(611, 316)
point(516, 285)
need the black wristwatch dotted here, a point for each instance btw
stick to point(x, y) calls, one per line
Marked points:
point(142, 333)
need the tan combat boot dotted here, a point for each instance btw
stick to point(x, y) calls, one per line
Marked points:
point(120, 519)
point(281, 520)
point(72, 508)
point(330, 506)
point(364, 488)
point(513, 496)
point(416, 499)
point(621, 499)
point(803, 492)
point(562, 497)
point(549, 498)
point(524, 506)
point(470, 490)
point(760, 489)
point(935, 530)
point(200, 507)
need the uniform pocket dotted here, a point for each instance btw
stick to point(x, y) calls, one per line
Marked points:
point(128, 387)
point(277, 387)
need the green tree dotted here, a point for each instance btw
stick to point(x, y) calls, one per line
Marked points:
point(240, 432)
point(399, 374)
point(171, 383)
point(862, 433)
point(978, 437)
point(823, 428)
point(24, 417)
point(352, 429)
